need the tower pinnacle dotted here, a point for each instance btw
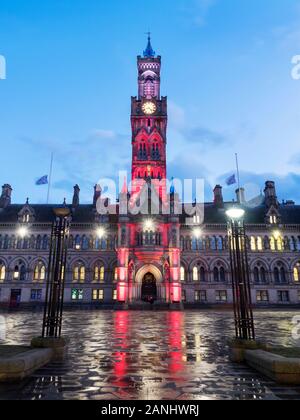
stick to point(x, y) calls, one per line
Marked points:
point(149, 52)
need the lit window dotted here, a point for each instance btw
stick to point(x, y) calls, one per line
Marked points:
point(98, 295)
point(115, 295)
point(273, 244)
point(79, 273)
point(20, 272)
point(77, 294)
point(253, 243)
point(195, 274)
point(182, 274)
point(273, 220)
point(39, 272)
point(116, 277)
point(99, 273)
point(262, 296)
point(197, 296)
point(297, 273)
point(2, 271)
point(259, 244)
point(221, 296)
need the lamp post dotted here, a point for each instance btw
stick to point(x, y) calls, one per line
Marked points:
point(243, 313)
point(52, 323)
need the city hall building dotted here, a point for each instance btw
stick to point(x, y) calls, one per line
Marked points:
point(164, 258)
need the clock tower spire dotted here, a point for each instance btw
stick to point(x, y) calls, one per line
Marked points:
point(149, 123)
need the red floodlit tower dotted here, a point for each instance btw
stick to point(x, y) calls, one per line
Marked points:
point(149, 250)
point(149, 125)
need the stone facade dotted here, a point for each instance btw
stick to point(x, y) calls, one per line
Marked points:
point(123, 257)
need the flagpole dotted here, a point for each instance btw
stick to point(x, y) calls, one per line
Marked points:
point(238, 175)
point(50, 178)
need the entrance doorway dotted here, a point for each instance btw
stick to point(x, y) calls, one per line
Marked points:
point(15, 298)
point(149, 289)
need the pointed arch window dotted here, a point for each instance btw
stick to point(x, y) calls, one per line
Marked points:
point(253, 243)
point(39, 272)
point(297, 273)
point(195, 274)
point(280, 274)
point(79, 273)
point(260, 243)
point(182, 274)
point(2, 271)
point(20, 272)
point(99, 273)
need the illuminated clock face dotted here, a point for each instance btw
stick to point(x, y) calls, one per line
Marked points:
point(149, 108)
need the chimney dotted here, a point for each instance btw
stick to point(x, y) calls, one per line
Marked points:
point(5, 199)
point(76, 202)
point(218, 196)
point(97, 194)
point(240, 195)
point(270, 195)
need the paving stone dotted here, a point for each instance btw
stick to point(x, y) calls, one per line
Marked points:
point(131, 355)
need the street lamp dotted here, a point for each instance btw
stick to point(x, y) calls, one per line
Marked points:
point(240, 273)
point(197, 232)
point(100, 232)
point(23, 232)
point(52, 323)
point(148, 225)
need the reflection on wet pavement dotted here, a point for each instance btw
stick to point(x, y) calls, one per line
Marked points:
point(148, 355)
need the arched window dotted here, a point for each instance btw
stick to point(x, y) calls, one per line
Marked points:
point(213, 243)
point(195, 274)
point(38, 242)
point(99, 273)
point(219, 274)
point(263, 275)
point(260, 243)
point(272, 244)
point(220, 243)
point(216, 275)
point(116, 275)
point(256, 275)
point(280, 274)
point(78, 243)
point(20, 272)
point(279, 243)
point(260, 275)
point(39, 272)
point(182, 274)
point(45, 242)
point(253, 243)
point(79, 273)
point(2, 271)
point(202, 275)
point(85, 243)
point(297, 272)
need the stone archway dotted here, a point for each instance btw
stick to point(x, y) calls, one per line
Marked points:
point(149, 288)
point(157, 278)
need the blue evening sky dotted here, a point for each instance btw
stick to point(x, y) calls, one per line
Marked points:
point(71, 69)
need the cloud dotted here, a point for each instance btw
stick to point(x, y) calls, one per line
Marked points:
point(102, 154)
point(205, 137)
point(198, 10)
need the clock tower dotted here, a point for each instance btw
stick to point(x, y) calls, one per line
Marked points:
point(149, 123)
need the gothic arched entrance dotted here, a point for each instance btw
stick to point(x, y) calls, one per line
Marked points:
point(149, 288)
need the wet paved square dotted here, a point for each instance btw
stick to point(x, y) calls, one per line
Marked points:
point(148, 355)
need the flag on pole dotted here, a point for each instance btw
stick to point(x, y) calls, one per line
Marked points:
point(231, 181)
point(42, 181)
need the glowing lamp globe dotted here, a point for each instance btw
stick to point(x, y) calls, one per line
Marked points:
point(235, 213)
